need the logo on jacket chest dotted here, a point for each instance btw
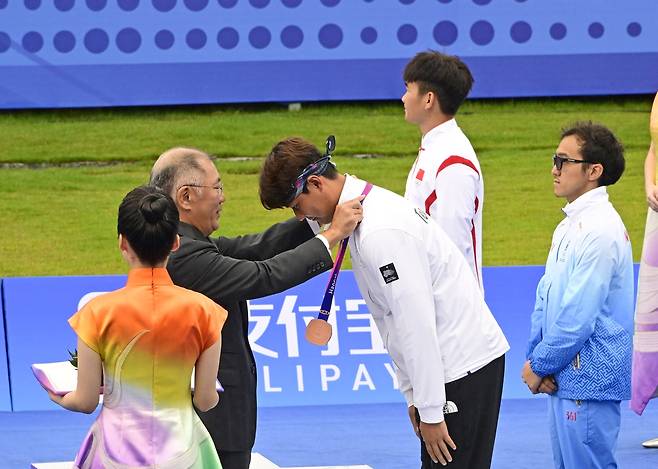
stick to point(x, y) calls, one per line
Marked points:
point(423, 216)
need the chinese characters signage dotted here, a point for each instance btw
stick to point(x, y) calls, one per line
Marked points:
point(353, 367)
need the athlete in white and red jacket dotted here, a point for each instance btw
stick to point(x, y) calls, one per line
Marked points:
point(445, 180)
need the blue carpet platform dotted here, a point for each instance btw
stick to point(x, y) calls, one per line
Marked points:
point(377, 435)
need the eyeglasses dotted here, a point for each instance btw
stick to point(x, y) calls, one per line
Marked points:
point(218, 187)
point(317, 167)
point(558, 161)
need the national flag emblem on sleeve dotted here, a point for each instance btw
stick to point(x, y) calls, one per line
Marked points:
point(420, 174)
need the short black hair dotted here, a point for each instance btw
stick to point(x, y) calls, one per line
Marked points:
point(599, 145)
point(148, 219)
point(445, 75)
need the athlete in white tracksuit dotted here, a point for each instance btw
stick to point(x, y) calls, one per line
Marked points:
point(430, 312)
point(432, 318)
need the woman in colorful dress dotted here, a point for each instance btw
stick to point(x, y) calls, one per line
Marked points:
point(144, 340)
point(645, 341)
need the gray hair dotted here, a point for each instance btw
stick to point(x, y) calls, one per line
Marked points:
point(177, 167)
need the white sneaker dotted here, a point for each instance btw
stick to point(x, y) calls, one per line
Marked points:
point(653, 443)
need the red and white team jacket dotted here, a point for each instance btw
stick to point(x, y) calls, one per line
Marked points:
point(446, 182)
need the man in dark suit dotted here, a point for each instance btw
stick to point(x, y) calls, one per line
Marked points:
point(233, 270)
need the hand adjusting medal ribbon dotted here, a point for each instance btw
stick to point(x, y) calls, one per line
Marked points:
point(318, 331)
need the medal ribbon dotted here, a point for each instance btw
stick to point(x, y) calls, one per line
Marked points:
point(333, 278)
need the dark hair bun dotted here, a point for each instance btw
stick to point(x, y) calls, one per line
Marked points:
point(148, 219)
point(153, 207)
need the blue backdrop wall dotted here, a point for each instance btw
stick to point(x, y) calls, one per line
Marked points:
point(352, 368)
point(69, 53)
point(36, 313)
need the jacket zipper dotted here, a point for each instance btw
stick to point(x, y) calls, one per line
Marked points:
point(576, 362)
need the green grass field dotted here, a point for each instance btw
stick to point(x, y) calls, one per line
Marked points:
point(59, 217)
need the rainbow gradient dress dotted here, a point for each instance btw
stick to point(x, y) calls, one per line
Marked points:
point(149, 335)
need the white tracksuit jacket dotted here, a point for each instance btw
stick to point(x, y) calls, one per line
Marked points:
point(446, 182)
point(425, 300)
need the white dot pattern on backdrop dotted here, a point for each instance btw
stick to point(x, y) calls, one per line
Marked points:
point(330, 35)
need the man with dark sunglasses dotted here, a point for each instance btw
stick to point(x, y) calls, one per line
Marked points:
point(580, 344)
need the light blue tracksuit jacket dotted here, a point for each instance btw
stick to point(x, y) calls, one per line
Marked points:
point(582, 324)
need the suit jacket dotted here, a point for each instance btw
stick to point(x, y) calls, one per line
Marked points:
point(231, 271)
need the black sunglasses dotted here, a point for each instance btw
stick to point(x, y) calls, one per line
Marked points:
point(558, 161)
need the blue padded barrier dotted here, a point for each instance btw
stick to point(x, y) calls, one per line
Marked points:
point(5, 396)
point(36, 309)
point(352, 368)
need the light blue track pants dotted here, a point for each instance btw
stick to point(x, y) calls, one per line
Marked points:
point(584, 433)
